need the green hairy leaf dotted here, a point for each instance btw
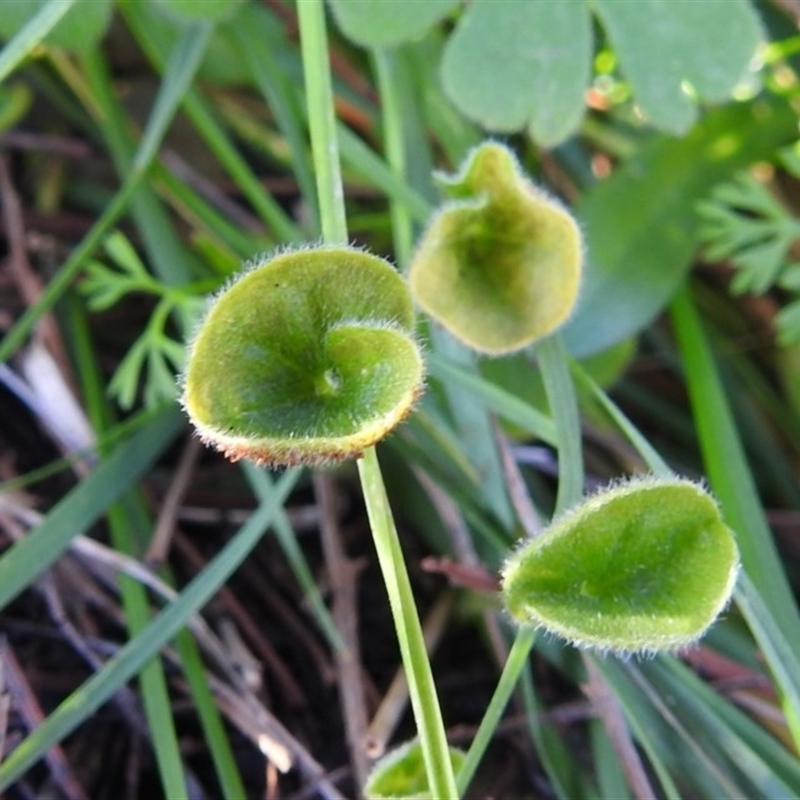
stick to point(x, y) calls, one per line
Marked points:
point(640, 567)
point(308, 357)
point(500, 264)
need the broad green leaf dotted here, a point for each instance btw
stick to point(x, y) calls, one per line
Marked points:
point(499, 265)
point(307, 357)
point(387, 23)
point(639, 567)
point(641, 224)
point(81, 27)
point(670, 51)
point(508, 65)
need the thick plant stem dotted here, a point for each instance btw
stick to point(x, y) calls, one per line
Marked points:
point(322, 123)
point(441, 780)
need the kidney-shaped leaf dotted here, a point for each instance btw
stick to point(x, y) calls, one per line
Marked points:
point(308, 357)
point(499, 265)
point(643, 566)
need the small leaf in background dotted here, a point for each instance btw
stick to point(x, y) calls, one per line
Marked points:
point(499, 265)
point(669, 51)
point(81, 28)
point(376, 23)
point(511, 65)
point(309, 357)
point(640, 567)
point(400, 774)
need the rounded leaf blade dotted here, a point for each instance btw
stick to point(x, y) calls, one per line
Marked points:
point(640, 567)
point(499, 266)
point(308, 357)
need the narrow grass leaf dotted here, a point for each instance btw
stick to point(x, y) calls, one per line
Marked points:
point(219, 746)
point(45, 19)
point(759, 758)
point(214, 135)
point(170, 259)
point(179, 73)
point(86, 503)
point(496, 399)
point(669, 746)
point(157, 634)
point(771, 598)
point(264, 489)
point(255, 36)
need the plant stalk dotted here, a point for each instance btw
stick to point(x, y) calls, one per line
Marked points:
point(422, 691)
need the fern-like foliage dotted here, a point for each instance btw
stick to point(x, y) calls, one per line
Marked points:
point(743, 222)
point(155, 357)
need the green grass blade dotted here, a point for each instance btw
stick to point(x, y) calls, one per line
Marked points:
point(494, 398)
point(264, 489)
point(178, 75)
point(357, 156)
point(32, 34)
point(215, 137)
point(322, 122)
point(213, 729)
point(86, 503)
point(157, 704)
point(170, 259)
point(124, 517)
point(667, 745)
point(640, 444)
point(553, 361)
point(779, 649)
point(562, 768)
point(136, 653)
point(253, 38)
point(394, 112)
point(760, 758)
point(513, 668)
point(733, 484)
